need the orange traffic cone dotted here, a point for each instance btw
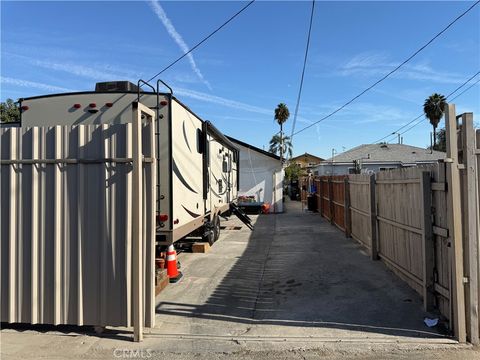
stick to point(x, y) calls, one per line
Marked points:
point(172, 271)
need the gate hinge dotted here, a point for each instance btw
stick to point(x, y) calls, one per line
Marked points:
point(465, 280)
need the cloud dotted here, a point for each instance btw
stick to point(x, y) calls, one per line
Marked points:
point(377, 64)
point(157, 8)
point(32, 84)
point(222, 101)
point(103, 73)
point(78, 70)
point(99, 72)
point(233, 104)
point(363, 113)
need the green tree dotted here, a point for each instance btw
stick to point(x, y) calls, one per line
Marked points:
point(441, 141)
point(293, 171)
point(281, 115)
point(280, 145)
point(9, 111)
point(434, 108)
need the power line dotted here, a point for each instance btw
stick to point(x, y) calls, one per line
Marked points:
point(464, 91)
point(475, 83)
point(202, 41)
point(391, 72)
point(462, 85)
point(421, 115)
point(303, 70)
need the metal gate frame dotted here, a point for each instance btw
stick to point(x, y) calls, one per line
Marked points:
point(141, 111)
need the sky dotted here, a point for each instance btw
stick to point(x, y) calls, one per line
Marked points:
point(238, 76)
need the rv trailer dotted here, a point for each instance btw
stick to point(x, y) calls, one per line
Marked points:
point(197, 169)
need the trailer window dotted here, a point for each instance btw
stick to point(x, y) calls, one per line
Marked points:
point(225, 164)
point(200, 141)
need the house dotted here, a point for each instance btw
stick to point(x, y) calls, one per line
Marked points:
point(371, 158)
point(261, 175)
point(306, 161)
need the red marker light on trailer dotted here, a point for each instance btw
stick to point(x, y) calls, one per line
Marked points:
point(77, 106)
point(163, 102)
point(25, 107)
point(92, 105)
point(162, 217)
point(108, 104)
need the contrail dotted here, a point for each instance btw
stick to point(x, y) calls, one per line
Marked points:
point(157, 8)
point(222, 101)
point(32, 84)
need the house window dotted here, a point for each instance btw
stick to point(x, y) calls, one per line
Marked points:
point(351, 170)
point(386, 168)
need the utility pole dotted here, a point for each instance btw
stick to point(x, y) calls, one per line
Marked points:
point(398, 135)
point(333, 154)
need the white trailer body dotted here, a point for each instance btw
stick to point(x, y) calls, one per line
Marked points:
point(198, 167)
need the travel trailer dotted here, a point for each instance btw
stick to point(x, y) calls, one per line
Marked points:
point(197, 166)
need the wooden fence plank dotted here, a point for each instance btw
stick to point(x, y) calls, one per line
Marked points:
point(477, 153)
point(373, 219)
point(400, 225)
point(346, 208)
point(427, 242)
point(438, 186)
point(330, 200)
point(437, 230)
point(470, 220)
point(455, 225)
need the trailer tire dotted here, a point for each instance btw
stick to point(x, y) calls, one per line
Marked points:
point(212, 230)
point(209, 237)
point(216, 228)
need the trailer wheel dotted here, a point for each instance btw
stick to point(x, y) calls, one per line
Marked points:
point(216, 228)
point(212, 230)
point(209, 237)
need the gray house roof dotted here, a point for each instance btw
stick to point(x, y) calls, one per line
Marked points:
point(388, 153)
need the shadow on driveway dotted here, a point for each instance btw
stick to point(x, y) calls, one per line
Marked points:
point(295, 269)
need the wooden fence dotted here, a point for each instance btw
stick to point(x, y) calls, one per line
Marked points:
point(422, 222)
point(362, 209)
point(331, 194)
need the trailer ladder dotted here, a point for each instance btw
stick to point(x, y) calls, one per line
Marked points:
point(241, 215)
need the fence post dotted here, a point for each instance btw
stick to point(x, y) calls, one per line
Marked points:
point(471, 198)
point(330, 200)
point(455, 225)
point(373, 219)
point(320, 207)
point(427, 241)
point(477, 152)
point(348, 223)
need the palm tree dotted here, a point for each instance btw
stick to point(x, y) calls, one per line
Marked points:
point(282, 145)
point(434, 108)
point(281, 116)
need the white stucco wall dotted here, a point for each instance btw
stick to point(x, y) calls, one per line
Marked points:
point(258, 173)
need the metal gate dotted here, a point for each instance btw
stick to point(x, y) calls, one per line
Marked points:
point(78, 223)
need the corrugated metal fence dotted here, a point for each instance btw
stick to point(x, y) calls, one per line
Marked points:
point(66, 225)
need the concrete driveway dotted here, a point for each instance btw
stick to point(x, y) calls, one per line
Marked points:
point(293, 287)
point(295, 277)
